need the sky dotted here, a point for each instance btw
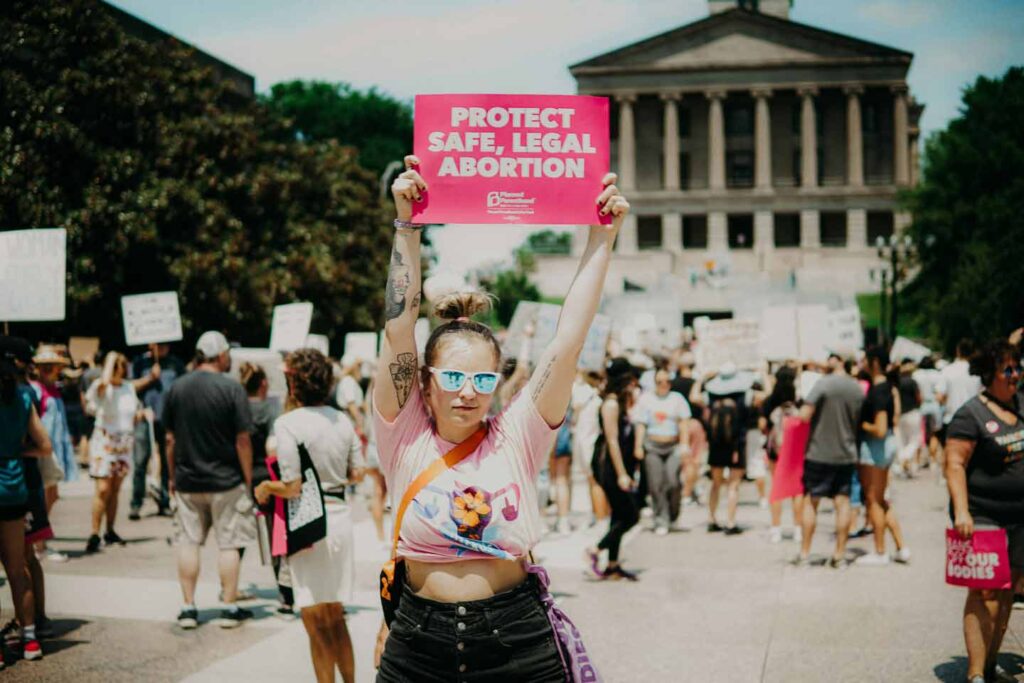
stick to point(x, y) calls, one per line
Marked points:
point(405, 47)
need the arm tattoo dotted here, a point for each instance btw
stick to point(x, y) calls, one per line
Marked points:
point(397, 287)
point(542, 381)
point(403, 374)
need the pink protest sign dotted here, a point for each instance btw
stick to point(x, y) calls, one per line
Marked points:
point(981, 561)
point(789, 470)
point(520, 159)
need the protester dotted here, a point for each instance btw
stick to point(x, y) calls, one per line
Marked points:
point(662, 437)
point(19, 424)
point(985, 476)
point(155, 373)
point(209, 458)
point(322, 575)
point(467, 604)
point(61, 465)
point(683, 383)
point(879, 413)
point(958, 385)
point(928, 382)
point(834, 410)
point(561, 474)
point(113, 401)
point(780, 404)
point(264, 412)
point(728, 397)
point(616, 466)
point(909, 440)
point(586, 407)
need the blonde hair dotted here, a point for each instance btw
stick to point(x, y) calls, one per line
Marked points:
point(251, 376)
point(457, 309)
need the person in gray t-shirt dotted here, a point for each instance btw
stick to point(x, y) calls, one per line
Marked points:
point(833, 409)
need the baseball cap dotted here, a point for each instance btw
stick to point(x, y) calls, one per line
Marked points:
point(211, 344)
point(15, 348)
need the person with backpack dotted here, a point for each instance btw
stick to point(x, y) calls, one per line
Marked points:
point(728, 396)
point(779, 405)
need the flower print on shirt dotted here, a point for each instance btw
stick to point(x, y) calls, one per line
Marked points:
point(470, 523)
point(471, 512)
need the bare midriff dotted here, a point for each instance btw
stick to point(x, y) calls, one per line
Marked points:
point(663, 439)
point(464, 580)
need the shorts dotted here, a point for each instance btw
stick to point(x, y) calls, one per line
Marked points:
point(1014, 537)
point(824, 480)
point(110, 453)
point(723, 457)
point(229, 513)
point(325, 572)
point(878, 452)
point(51, 471)
point(506, 637)
point(12, 513)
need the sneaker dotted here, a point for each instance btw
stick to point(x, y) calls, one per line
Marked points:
point(233, 618)
point(1001, 675)
point(714, 527)
point(902, 556)
point(111, 538)
point(32, 650)
point(134, 515)
point(93, 546)
point(563, 527)
point(838, 563)
point(165, 512)
point(56, 556)
point(1018, 601)
point(44, 628)
point(976, 679)
point(801, 561)
point(241, 594)
point(618, 572)
point(872, 560)
point(733, 530)
point(862, 532)
point(775, 535)
point(661, 530)
point(188, 618)
point(594, 563)
point(285, 610)
point(11, 634)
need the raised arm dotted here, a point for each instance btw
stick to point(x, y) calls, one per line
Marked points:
point(551, 383)
point(397, 365)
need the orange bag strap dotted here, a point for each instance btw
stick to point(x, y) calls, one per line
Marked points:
point(449, 460)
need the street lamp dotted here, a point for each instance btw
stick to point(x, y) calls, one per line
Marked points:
point(896, 252)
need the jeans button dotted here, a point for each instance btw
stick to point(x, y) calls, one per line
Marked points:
point(461, 610)
point(460, 646)
point(461, 626)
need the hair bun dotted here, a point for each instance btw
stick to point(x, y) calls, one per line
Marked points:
point(461, 305)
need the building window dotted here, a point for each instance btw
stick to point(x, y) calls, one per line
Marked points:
point(739, 119)
point(740, 169)
point(684, 122)
point(833, 228)
point(741, 231)
point(871, 117)
point(684, 169)
point(879, 225)
point(648, 232)
point(695, 232)
point(787, 230)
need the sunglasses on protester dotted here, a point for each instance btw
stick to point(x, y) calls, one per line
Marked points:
point(454, 380)
point(1011, 371)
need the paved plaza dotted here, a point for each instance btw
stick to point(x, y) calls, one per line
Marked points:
point(707, 607)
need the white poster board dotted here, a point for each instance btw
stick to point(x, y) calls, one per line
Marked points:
point(290, 326)
point(33, 272)
point(360, 346)
point(904, 348)
point(779, 339)
point(152, 318)
point(544, 318)
point(596, 344)
point(736, 341)
point(847, 335)
point(320, 342)
point(813, 333)
point(272, 363)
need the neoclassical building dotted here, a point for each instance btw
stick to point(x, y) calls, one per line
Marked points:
point(762, 158)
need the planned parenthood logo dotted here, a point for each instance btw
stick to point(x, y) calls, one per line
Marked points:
point(510, 205)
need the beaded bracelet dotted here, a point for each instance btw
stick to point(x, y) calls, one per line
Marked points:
point(406, 225)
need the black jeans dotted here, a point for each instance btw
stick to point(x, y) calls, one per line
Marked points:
point(625, 514)
point(503, 638)
point(141, 455)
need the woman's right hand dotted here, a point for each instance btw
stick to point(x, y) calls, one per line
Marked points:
point(964, 524)
point(625, 482)
point(407, 188)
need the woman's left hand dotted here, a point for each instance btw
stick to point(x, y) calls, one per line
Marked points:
point(611, 202)
point(262, 493)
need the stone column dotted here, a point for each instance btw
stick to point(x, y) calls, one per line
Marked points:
point(764, 237)
point(900, 136)
point(718, 231)
point(716, 140)
point(671, 140)
point(627, 143)
point(627, 241)
point(915, 159)
point(854, 137)
point(672, 232)
point(856, 229)
point(810, 229)
point(808, 137)
point(762, 140)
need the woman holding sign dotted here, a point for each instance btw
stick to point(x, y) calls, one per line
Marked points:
point(985, 475)
point(464, 596)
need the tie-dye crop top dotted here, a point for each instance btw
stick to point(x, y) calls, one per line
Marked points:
point(483, 508)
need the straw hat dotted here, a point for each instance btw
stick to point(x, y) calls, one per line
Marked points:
point(51, 354)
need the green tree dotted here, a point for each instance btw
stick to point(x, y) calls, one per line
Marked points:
point(379, 126)
point(510, 286)
point(549, 242)
point(165, 179)
point(968, 225)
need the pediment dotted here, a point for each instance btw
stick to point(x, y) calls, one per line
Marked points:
point(741, 37)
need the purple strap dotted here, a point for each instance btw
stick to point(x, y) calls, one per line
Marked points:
point(573, 652)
